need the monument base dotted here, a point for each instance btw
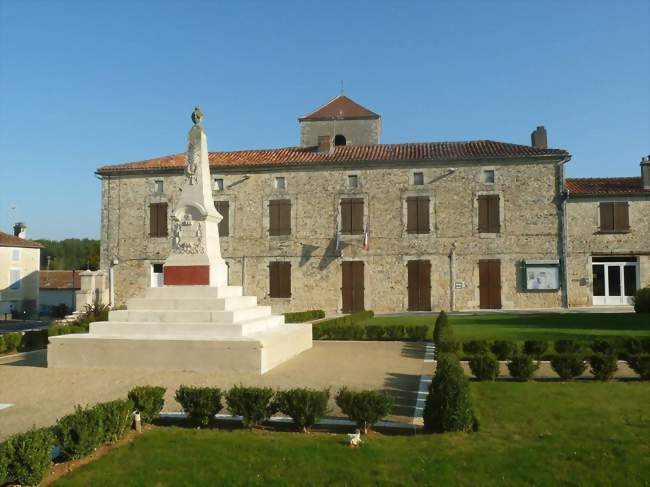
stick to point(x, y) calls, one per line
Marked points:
point(185, 328)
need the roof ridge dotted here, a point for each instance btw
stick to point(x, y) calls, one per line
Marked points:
point(603, 177)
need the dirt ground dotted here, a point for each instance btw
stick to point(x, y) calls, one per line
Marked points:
point(40, 395)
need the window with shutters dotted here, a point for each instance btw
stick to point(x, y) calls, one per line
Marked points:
point(279, 217)
point(223, 207)
point(158, 220)
point(352, 216)
point(14, 279)
point(417, 211)
point(488, 214)
point(614, 217)
point(280, 279)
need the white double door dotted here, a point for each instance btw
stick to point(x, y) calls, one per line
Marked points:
point(614, 282)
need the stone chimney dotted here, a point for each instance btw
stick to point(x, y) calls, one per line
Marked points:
point(325, 143)
point(538, 138)
point(645, 172)
point(20, 230)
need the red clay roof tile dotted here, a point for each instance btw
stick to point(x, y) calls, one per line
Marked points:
point(605, 186)
point(59, 280)
point(341, 108)
point(7, 240)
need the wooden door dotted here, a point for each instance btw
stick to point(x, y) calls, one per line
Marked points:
point(352, 288)
point(490, 284)
point(419, 285)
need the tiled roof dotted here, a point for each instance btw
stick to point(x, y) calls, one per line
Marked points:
point(309, 156)
point(341, 108)
point(59, 280)
point(7, 240)
point(605, 186)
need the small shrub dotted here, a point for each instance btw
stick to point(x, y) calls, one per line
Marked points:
point(302, 316)
point(12, 341)
point(304, 406)
point(522, 367)
point(254, 404)
point(117, 417)
point(447, 343)
point(603, 346)
point(633, 345)
point(148, 401)
point(4, 465)
point(59, 311)
point(535, 348)
point(641, 365)
point(28, 456)
point(484, 366)
point(395, 332)
point(349, 319)
point(642, 300)
point(319, 332)
point(374, 332)
point(603, 366)
point(567, 346)
point(33, 340)
point(504, 349)
point(568, 365)
point(417, 333)
point(476, 347)
point(442, 321)
point(80, 433)
point(200, 403)
point(2, 347)
point(449, 406)
point(364, 407)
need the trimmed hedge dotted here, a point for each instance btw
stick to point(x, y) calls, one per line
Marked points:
point(375, 332)
point(522, 367)
point(484, 366)
point(26, 457)
point(641, 365)
point(302, 316)
point(603, 366)
point(254, 404)
point(417, 333)
point(304, 406)
point(12, 341)
point(117, 417)
point(535, 348)
point(349, 319)
point(442, 321)
point(148, 401)
point(642, 300)
point(476, 347)
point(449, 406)
point(364, 407)
point(80, 433)
point(33, 339)
point(567, 346)
point(504, 349)
point(200, 403)
point(447, 342)
point(568, 365)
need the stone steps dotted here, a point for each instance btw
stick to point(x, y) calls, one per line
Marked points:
point(229, 303)
point(190, 316)
point(192, 292)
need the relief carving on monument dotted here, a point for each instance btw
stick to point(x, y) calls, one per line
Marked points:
point(187, 236)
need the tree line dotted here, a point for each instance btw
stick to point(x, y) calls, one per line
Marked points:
point(68, 254)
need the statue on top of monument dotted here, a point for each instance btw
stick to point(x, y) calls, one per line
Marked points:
point(197, 115)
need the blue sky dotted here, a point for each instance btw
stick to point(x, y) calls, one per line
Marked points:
point(87, 83)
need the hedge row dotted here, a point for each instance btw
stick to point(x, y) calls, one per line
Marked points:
point(35, 339)
point(370, 332)
point(302, 316)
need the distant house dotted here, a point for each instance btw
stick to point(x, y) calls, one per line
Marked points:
point(58, 287)
point(19, 271)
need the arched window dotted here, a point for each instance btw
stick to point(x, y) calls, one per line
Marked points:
point(339, 140)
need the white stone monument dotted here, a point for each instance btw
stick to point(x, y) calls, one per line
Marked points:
point(196, 321)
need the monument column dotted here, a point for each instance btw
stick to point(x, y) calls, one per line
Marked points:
point(195, 257)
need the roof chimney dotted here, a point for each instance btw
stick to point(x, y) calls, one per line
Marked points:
point(645, 172)
point(325, 143)
point(538, 138)
point(20, 230)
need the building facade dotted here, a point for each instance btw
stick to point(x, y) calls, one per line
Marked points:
point(343, 222)
point(19, 273)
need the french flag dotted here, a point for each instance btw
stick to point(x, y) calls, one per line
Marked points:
point(366, 245)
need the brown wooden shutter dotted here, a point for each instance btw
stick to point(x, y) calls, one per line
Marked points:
point(423, 215)
point(158, 219)
point(357, 216)
point(285, 279)
point(276, 216)
point(352, 215)
point(153, 220)
point(223, 207)
point(162, 220)
point(621, 217)
point(606, 217)
point(346, 216)
point(284, 216)
point(280, 279)
point(273, 279)
point(411, 215)
point(483, 214)
point(493, 214)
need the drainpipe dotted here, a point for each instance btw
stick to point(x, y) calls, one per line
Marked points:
point(563, 194)
point(452, 278)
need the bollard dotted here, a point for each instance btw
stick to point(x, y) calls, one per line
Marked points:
point(137, 421)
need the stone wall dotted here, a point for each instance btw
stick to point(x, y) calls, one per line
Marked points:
point(585, 240)
point(529, 230)
point(356, 132)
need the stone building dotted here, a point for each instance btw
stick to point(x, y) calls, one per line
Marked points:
point(343, 222)
point(19, 273)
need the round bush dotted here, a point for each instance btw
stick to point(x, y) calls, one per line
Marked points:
point(374, 332)
point(28, 456)
point(641, 365)
point(522, 367)
point(200, 403)
point(148, 400)
point(476, 347)
point(254, 404)
point(642, 300)
point(417, 333)
point(484, 366)
point(603, 366)
point(395, 332)
point(504, 349)
point(567, 346)
point(304, 406)
point(633, 345)
point(364, 407)
point(603, 346)
point(80, 433)
point(535, 348)
point(569, 365)
point(449, 406)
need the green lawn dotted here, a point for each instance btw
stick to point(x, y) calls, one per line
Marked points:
point(531, 434)
point(538, 326)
